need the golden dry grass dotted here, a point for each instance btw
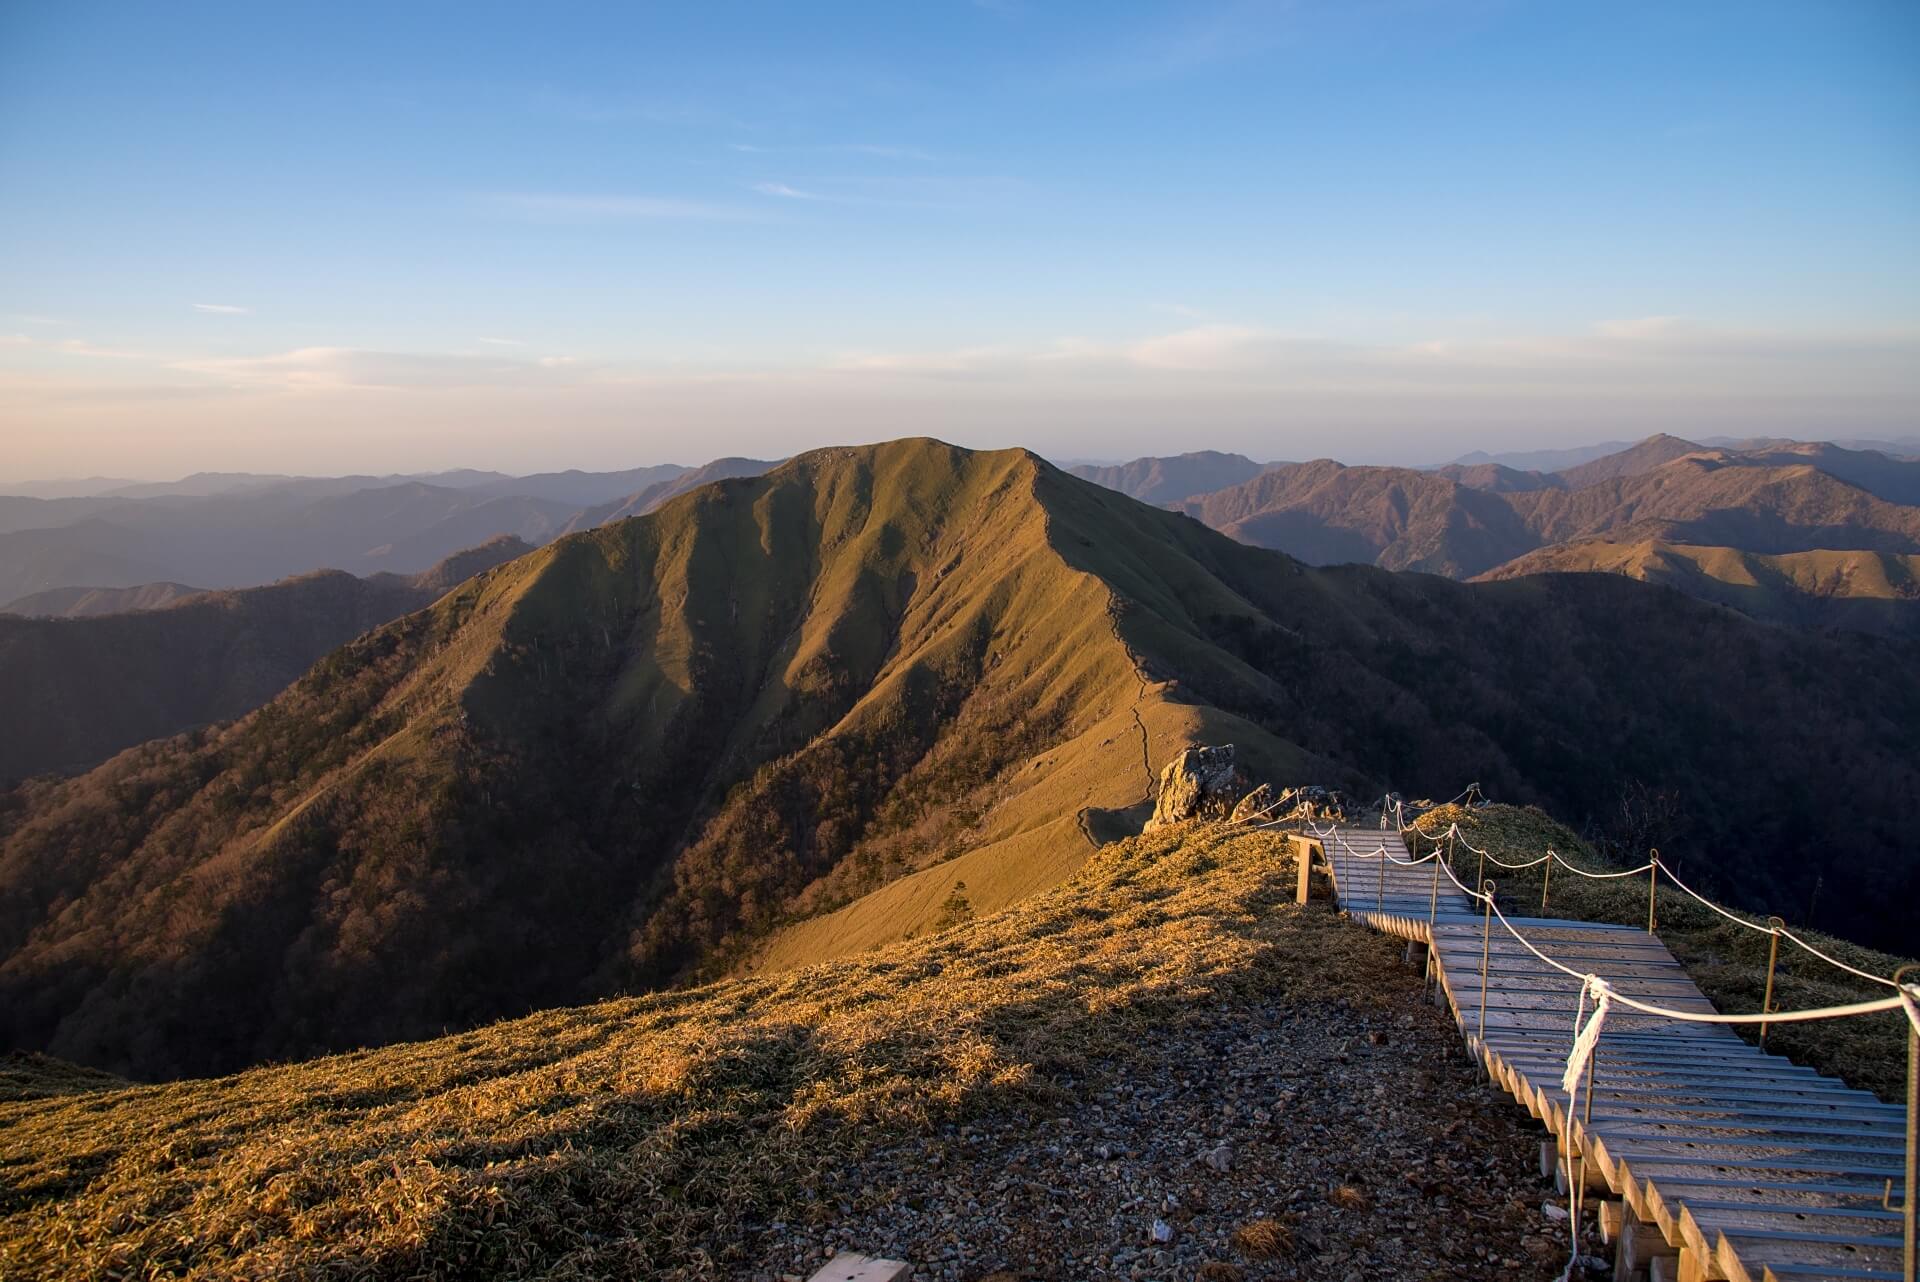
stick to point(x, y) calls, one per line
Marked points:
point(651, 1136)
point(1263, 1239)
point(1728, 962)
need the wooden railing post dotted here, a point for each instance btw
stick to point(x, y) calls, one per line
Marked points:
point(1653, 883)
point(1380, 896)
point(1579, 1193)
point(1546, 881)
point(1773, 959)
point(1303, 848)
point(1486, 946)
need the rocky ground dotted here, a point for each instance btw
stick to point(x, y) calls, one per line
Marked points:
point(1161, 1069)
point(1305, 1141)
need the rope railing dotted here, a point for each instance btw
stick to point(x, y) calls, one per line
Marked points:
point(1587, 1029)
point(1661, 868)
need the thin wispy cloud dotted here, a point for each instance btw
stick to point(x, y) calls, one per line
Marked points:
point(907, 191)
point(341, 369)
point(223, 309)
point(785, 192)
point(574, 207)
point(503, 342)
point(72, 347)
point(879, 151)
point(28, 318)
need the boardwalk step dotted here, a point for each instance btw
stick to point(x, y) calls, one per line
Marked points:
point(1761, 1167)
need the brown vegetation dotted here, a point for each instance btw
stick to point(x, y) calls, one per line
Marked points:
point(622, 760)
point(662, 1136)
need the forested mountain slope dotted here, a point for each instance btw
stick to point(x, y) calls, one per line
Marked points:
point(622, 758)
point(79, 690)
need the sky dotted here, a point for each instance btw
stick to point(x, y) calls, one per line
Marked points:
point(353, 237)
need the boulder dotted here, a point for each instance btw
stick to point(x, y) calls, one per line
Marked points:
point(1200, 783)
point(1312, 802)
point(1251, 805)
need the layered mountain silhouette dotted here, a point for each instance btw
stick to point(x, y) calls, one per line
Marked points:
point(80, 689)
point(1864, 591)
point(1168, 480)
point(650, 497)
point(258, 534)
point(1839, 507)
point(624, 758)
point(89, 602)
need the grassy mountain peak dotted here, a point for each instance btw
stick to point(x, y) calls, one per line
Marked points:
point(724, 734)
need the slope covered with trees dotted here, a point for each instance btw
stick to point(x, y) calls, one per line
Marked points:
point(622, 758)
point(1864, 591)
point(79, 690)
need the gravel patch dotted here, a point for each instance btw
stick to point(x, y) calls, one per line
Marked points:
point(1357, 1145)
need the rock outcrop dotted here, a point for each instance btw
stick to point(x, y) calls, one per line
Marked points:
point(1256, 804)
point(1200, 783)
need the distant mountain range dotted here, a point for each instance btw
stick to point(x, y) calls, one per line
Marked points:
point(78, 690)
point(1168, 480)
point(87, 603)
point(240, 529)
point(627, 757)
point(1486, 518)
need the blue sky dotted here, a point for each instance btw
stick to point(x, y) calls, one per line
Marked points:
point(348, 237)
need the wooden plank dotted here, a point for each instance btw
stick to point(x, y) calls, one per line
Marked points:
point(847, 1266)
point(1754, 1167)
point(1823, 1225)
point(1812, 1199)
point(1745, 1254)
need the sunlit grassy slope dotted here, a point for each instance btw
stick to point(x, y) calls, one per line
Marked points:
point(648, 753)
point(660, 1136)
point(615, 761)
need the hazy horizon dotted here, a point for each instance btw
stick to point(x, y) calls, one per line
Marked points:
point(360, 239)
point(1908, 443)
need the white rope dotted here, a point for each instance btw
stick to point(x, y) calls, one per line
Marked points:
point(1776, 930)
point(1907, 1001)
point(1586, 1037)
point(1694, 1017)
point(1899, 1001)
point(1736, 920)
point(1453, 830)
point(1834, 961)
point(1601, 876)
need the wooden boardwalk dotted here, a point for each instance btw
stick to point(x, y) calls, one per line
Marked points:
point(1730, 1162)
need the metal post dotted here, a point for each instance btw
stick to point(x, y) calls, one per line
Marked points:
point(1486, 945)
point(1546, 882)
point(1653, 881)
point(1773, 959)
point(1482, 874)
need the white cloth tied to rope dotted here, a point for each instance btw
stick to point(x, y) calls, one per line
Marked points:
point(1587, 1036)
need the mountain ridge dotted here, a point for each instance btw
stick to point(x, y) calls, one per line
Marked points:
point(626, 757)
point(85, 688)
